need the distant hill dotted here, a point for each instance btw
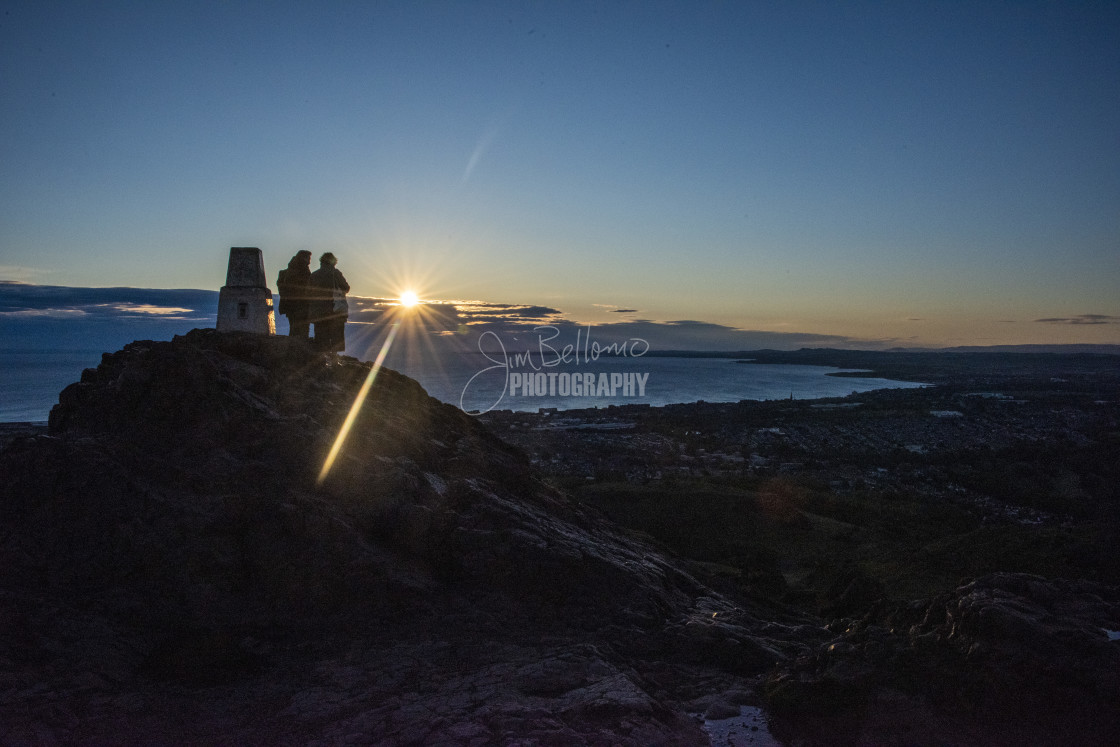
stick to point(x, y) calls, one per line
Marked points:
point(1054, 349)
point(992, 366)
point(1073, 349)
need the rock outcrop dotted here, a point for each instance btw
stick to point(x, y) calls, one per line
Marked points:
point(1004, 659)
point(173, 571)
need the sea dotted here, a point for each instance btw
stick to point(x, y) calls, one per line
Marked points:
point(30, 381)
point(477, 383)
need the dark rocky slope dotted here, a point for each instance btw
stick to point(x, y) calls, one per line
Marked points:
point(1006, 659)
point(173, 573)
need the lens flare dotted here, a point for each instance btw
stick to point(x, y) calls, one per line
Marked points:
point(355, 408)
point(409, 298)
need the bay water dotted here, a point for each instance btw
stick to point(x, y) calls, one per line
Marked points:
point(30, 381)
point(479, 383)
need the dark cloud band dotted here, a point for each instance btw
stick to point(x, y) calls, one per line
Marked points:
point(1081, 319)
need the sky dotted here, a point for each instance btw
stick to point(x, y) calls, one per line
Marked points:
point(865, 174)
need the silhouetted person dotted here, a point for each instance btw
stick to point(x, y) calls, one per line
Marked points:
point(328, 306)
point(295, 300)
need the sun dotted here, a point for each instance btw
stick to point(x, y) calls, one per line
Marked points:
point(409, 298)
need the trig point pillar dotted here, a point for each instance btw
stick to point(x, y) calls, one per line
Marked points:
point(245, 302)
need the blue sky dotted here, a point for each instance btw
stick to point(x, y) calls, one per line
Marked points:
point(898, 173)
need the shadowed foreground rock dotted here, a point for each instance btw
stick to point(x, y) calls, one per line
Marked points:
point(1006, 659)
point(171, 573)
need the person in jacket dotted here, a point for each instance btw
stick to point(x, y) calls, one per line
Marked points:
point(294, 301)
point(329, 309)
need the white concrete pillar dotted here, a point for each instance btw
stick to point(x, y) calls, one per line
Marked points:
point(245, 302)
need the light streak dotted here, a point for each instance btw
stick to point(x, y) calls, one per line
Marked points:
point(355, 408)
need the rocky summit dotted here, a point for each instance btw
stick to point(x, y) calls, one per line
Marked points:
point(174, 571)
point(177, 568)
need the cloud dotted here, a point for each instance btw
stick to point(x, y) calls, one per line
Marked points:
point(369, 306)
point(456, 327)
point(105, 303)
point(464, 323)
point(625, 311)
point(38, 317)
point(43, 313)
point(1081, 319)
point(457, 312)
point(684, 334)
point(107, 318)
point(475, 313)
point(151, 309)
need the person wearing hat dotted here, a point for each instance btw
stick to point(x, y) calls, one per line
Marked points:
point(329, 309)
point(294, 301)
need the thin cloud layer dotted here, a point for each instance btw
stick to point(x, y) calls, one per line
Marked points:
point(482, 313)
point(1081, 319)
point(24, 300)
point(33, 314)
point(515, 326)
point(52, 317)
point(43, 313)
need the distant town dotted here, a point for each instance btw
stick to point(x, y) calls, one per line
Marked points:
point(1035, 421)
